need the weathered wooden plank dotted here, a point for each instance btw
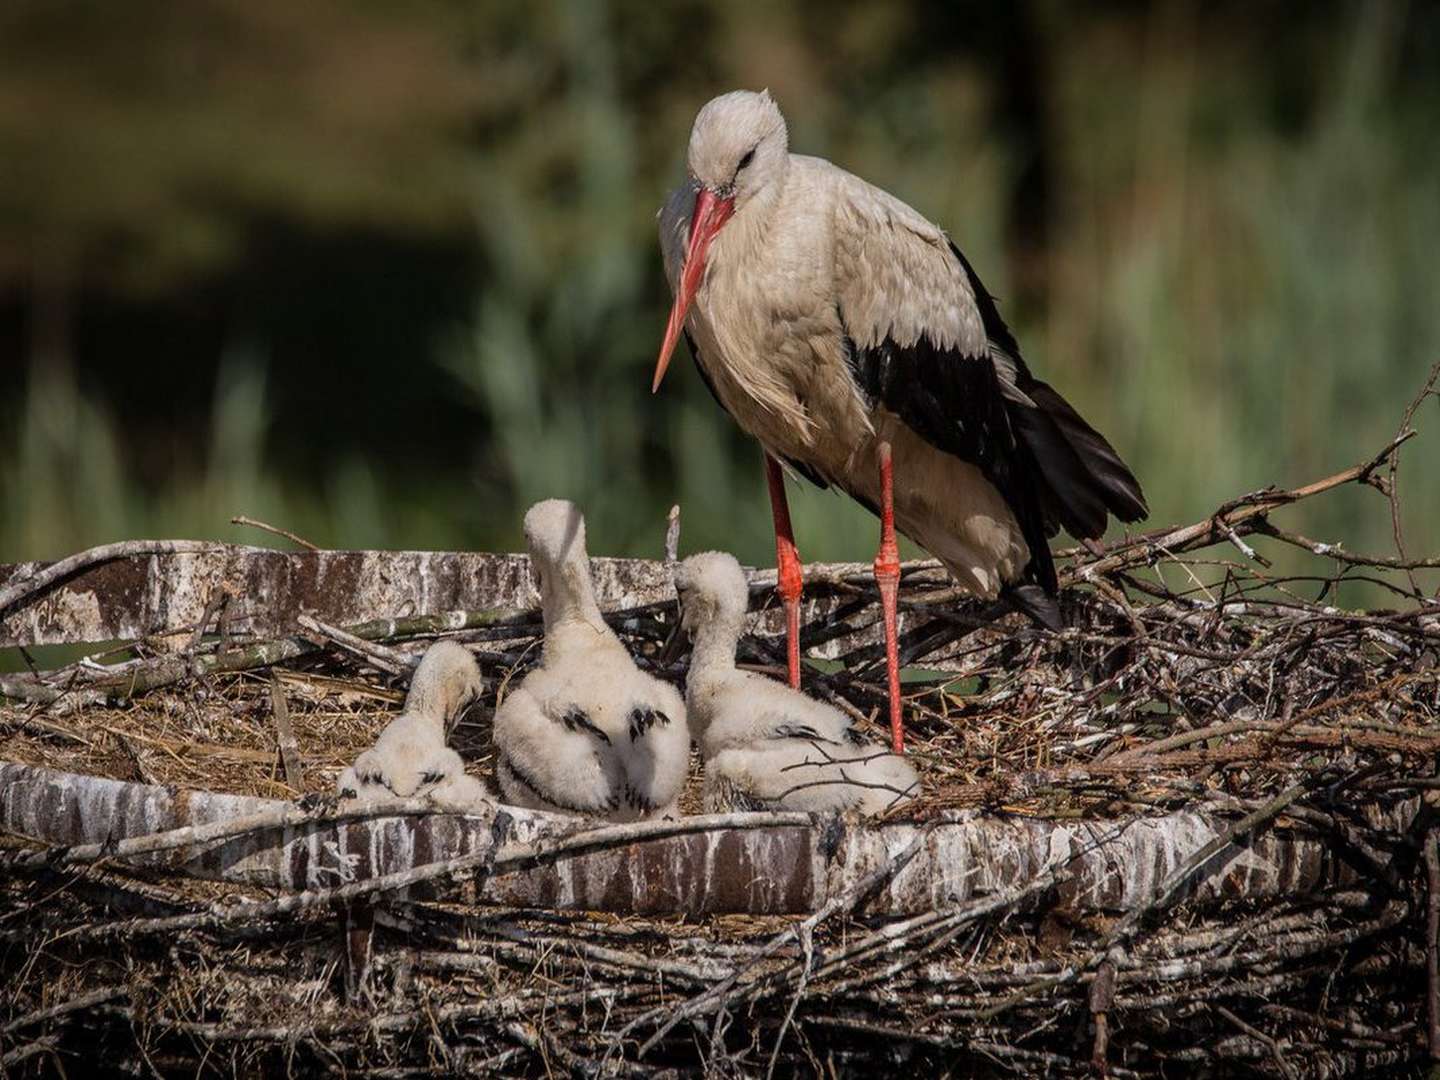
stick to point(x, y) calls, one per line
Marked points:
point(131, 598)
point(137, 597)
point(1112, 865)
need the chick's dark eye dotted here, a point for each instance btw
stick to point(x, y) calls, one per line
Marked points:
point(747, 159)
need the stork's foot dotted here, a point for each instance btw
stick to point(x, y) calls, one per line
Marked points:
point(790, 580)
point(887, 577)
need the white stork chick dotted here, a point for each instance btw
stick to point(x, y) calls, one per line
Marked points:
point(411, 757)
point(849, 335)
point(765, 745)
point(586, 732)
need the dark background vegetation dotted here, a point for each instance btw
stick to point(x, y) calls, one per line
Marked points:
point(386, 273)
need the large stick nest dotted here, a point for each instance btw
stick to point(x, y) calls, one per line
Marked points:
point(1190, 677)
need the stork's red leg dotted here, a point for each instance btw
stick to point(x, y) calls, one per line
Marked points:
point(887, 577)
point(789, 580)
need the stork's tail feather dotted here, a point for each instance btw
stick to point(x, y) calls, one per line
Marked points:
point(1084, 479)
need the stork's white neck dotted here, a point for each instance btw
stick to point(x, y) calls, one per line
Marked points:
point(568, 600)
point(430, 698)
point(714, 649)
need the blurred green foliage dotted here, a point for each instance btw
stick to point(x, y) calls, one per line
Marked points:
point(385, 274)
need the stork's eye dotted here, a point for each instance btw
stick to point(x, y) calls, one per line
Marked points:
point(747, 159)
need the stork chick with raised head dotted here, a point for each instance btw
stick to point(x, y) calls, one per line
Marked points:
point(411, 758)
point(586, 732)
point(852, 338)
point(766, 745)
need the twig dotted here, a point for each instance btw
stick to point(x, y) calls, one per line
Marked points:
point(944, 922)
point(219, 597)
point(69, 1005)
point(807, 949)
point(1336, 551)
point(1102, 1000)
point(1432, 942)
point(1360, 1031)
point(23, 688)
point(164, 671)
point(44, 1044)
point(241, 519)
point(1393, 494)
point(1240, 545)
point(1180, 878)
point(285, 735)
point(1259, 1036)
point(619, 958)
point(672, 536)
point(386, 659)
point(1134, 551)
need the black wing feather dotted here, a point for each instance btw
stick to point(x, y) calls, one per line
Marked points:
point(1051, 467)
point(799, 731)
point(956, 404)
point(1089, 475)
point(576, 718)
point(643, 718)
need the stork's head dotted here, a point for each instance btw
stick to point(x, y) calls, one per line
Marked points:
point(555, 535)
point(712, 588)
point(738, 146)
point(446, 683)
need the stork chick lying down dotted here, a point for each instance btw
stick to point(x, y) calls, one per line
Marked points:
point(765, 745)
point(586, 732)
point(411, 757)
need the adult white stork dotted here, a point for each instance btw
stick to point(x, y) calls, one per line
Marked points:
point(845, 332)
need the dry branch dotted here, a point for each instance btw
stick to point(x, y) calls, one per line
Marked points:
point(285, 736)
point(299, 541)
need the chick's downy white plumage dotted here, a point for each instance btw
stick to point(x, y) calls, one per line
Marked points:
point(411, 757)
point(586, 732)
point(765, 745)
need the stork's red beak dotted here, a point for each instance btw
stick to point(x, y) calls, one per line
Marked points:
point(710, 213)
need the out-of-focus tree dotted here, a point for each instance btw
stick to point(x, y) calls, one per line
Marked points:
point(142, 140)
